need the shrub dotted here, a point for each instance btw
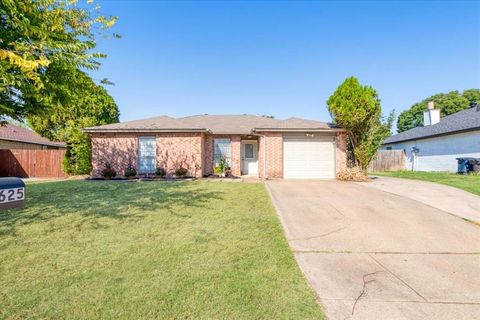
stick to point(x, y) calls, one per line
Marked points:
point(181, 172)
point(130, 171)
point(108, 171)
point(353, 174)
point(222, 167)
point(160, 172)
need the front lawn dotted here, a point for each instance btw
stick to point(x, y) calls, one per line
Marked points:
point(470, 183)
point(145, 250)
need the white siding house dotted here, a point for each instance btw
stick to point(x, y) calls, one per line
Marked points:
point(435, 146)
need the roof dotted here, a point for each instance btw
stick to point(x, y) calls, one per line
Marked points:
point(216, 124)
point(14, 133)
point(465, 120)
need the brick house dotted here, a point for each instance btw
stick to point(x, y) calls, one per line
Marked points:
point(253, 145)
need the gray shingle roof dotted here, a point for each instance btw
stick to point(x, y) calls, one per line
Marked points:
point(217, 124)
point(464, 120)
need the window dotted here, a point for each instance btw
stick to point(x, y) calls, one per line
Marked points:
point(249, 151)
point(221, 149)
point(389, 148)
point(147, 154)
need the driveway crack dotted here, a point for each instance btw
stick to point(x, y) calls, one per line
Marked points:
point(400, 279)
point(363, 292)
point(321, 235)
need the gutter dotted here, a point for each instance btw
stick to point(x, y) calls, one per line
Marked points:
point(49, 143)
point(90, 130)
point(297, 130)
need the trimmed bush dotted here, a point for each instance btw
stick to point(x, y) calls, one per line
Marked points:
point(130, 171)
point(181, 172)
point(160, 172)
point(108, 172)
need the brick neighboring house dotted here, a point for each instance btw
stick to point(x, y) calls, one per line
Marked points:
point(253, 145)
point(14, 137)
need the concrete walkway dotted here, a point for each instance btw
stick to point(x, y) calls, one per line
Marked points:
point(371, 254)
point(452, 200)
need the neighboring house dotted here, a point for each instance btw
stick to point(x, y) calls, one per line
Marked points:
point(436, 145)
point(14, 137)
point(253, 145)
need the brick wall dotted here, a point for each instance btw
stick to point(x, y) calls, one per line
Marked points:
point(341, 151)
point(274, 155)
point(208, 155)
point(118, 149)
point(194, 151)
point(175, 150)
point(236, 157)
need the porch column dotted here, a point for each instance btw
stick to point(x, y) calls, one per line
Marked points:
point(236, 157)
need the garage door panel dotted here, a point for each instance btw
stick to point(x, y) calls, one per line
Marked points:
point(308, 158)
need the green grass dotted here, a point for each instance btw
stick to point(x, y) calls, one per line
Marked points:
point(470, 183)
point(169, 250)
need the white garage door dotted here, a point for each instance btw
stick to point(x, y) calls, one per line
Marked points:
point(308, 157)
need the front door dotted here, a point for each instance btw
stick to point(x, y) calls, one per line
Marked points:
point(249, 157)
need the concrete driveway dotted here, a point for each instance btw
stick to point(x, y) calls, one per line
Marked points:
point(373, 254)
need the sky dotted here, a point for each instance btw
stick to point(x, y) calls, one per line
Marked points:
point(284, 58)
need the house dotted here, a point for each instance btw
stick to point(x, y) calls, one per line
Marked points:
point(257, 146)
point(439, 142)
point(15, 137)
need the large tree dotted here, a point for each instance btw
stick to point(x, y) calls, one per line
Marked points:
point(76, 102)
point(357, 109)
point(448, 103)
point(33, 35)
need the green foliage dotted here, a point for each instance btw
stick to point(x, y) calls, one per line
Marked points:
point(160, 172)
point(130, 171)
point(36, 34)
point(181, 172)
point(75, 102)
point(222, 166)
point(357, 109)
point(108, 171)
point(78, 154)
point(448, 103)
point(366, 150)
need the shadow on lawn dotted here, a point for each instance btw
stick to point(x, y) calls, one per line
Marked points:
point(116, 200)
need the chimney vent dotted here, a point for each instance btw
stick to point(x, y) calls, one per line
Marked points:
point(431, 116)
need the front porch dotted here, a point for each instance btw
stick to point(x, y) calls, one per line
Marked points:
point(241, 152)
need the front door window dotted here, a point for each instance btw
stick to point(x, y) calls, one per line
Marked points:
point(249, 154)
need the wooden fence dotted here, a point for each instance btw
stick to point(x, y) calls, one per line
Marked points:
point(388, 160)
point(31, 163)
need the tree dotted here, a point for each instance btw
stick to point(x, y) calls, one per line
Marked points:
point(75, 102)
point(448, 103)
point(36, 33)
point(357, 109)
